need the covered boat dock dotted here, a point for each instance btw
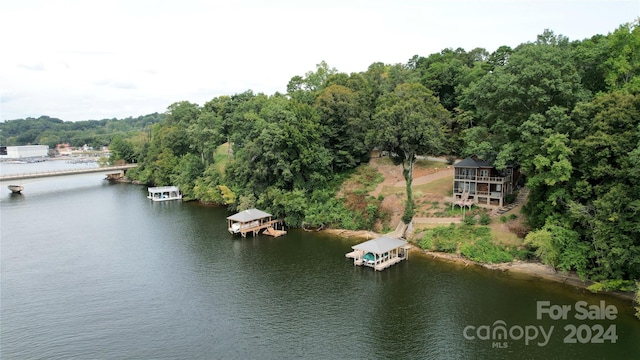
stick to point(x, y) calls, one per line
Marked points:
point(380, 253)
point(164, 193)
point(253, 221)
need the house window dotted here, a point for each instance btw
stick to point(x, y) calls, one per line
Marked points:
point(509, 171)
point(484, 173)
point(498, 187)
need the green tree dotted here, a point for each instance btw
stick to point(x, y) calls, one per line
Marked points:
point(206, 186)
point(343, 126)
point(549, 171)
point(623, 65)
point(188, 169)
point(409, 122)
point(121, 150)
point(304, 89)
point(561, 247)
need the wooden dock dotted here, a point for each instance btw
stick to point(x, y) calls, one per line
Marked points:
point(273, 232)
point(254, 221)
point(255, 230)
point(385, 264)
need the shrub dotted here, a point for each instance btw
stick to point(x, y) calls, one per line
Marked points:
point(485, 219)
point(441, 238)
point(448, 245)
point(482, 232)
point(612, 285)
point(513, 217)
point(484, 251)
point(503, 219)
point(510, 198)
point(451, 159)
point(425, 243)
point(520, 253)
point(469, 220)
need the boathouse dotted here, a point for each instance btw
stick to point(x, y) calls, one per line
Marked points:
point(164, 193)
point(253, 221)
point(379, 253)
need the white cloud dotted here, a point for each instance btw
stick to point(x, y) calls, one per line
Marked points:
point(78, 60)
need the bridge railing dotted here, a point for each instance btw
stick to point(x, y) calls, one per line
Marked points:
point(65, 172)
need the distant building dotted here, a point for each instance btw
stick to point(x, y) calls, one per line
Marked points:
point(63, 149)
point(23, 152)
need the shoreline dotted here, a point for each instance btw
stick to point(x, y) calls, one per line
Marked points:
point(529, 269)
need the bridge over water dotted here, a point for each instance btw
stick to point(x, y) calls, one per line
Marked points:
point(15, 181)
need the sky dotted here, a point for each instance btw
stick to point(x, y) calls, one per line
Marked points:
point(102, 59)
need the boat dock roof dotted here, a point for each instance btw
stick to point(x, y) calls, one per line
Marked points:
point(380, 245)
point(248, 215)
point(163, 188)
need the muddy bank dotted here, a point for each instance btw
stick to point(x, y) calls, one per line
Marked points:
point(352, 234)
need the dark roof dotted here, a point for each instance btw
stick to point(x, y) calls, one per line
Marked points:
point(248, 215)
point(473, 162)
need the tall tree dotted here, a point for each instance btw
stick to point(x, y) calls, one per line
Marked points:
point(343, 120)
point(623, 64)
point(409, 121)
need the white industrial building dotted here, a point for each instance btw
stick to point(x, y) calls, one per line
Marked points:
point(23, 152)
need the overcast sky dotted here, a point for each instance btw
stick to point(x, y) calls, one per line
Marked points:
point(86, 59)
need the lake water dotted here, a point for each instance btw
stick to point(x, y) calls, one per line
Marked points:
point(94, 270)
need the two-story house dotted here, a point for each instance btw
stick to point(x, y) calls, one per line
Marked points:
point(479, 180)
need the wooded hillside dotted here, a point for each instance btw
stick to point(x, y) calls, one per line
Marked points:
point(567, 111)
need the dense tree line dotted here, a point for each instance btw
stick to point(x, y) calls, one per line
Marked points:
point(568, 112)
point(46, 130)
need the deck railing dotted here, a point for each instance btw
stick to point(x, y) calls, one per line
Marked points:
point(496, 179)
point(493, 194)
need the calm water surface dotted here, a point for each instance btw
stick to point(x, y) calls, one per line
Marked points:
point(94, 270)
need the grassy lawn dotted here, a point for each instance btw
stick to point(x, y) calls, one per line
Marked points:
point(419, 164)
point(424, 164)
point(442, 187)
point(501, 234)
